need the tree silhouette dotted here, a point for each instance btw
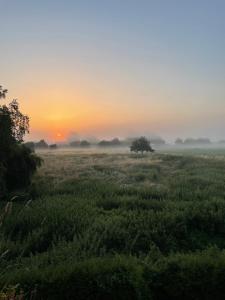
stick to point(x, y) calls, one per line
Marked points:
point(141, 145)
point(17, 162)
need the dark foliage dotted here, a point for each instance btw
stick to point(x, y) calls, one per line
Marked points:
point(21, 164)
point(20, 122)
point(141, 145)
point(30, 145)
point(17, 161)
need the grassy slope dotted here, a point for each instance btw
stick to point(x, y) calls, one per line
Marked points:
point(119, 226)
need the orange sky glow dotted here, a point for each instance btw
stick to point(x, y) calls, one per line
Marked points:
point(93, 110)
point(108, 69)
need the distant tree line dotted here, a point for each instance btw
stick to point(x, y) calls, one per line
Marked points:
point(111, 143)
point(82, 144)
point(192, 141)
point(155, 141)
point(40, 145)
point(116, 142)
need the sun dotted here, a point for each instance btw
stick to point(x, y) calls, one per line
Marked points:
point(59, 136)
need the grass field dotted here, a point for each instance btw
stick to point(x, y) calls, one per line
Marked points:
point(114, 225)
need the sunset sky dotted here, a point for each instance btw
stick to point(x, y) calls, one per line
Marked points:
point(116, 67)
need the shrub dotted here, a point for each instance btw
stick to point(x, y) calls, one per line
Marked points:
point(20, 166)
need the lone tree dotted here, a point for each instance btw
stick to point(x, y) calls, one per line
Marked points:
point(17, 162)
point(141, 145)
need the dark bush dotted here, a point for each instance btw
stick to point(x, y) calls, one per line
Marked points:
point(30, 145)
point(17, 161)
point(20, 166)
point(2, 180)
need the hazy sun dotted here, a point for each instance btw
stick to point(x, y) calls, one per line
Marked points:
point(59, 136)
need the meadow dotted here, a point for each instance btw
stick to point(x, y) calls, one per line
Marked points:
point(115, 225)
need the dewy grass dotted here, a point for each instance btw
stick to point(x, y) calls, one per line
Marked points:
point(118, 226)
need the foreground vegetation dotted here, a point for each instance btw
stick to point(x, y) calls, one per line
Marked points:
point(17, 162)
point(117, 226)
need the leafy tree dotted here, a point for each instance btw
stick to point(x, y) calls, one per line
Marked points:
point(141, 145)
point(17, 162)
point(20, 122)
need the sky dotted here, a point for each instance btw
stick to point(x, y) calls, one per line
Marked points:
point(120, 68)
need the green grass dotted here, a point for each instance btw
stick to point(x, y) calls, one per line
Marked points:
point(118, 226)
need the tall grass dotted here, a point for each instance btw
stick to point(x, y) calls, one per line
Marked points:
point(117, 226)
